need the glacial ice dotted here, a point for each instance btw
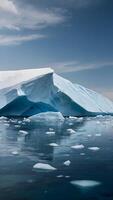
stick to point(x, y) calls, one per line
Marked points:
point(33, 91)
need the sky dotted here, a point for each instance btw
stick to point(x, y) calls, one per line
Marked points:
point(74, 37)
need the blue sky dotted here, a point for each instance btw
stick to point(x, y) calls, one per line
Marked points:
point(75, 37)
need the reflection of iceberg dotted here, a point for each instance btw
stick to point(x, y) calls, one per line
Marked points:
point(29, 92)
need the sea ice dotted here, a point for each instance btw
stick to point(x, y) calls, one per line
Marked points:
point(53, 145)
point(78, 146)
point(85, 183)
point(23, 132)
point(67, 162)
point(94, 148)
point(71, 131)
point(43, 166)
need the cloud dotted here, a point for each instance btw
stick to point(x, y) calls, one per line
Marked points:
point(8, 6)
point(28, 16)
point(18, 39)
point(75, 66)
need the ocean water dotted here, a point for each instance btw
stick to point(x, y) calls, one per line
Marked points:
point(81, 151)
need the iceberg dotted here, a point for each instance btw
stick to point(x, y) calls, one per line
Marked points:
point(25, 93)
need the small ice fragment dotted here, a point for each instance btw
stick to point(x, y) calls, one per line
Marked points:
point(23, 132)
point(71, 131)
point(82, 154)
point(6, 124)
point(94, 148)
point(43, 166)
point(17, 126)
point(51, 129)
point(85, 183)
point(70, 123)
point(71, 117)
point(2, 117)
point(19, 122)
point(67, 162)
point(27, 120)
point(60, 176)
point(15, 153)
point(98, 134)
point(67, 176)
point(50, 132)
point(78, 146)
point(53, 145)
point(97, 122)
point(89, 135)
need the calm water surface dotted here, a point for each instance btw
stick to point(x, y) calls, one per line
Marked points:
point(20, 151)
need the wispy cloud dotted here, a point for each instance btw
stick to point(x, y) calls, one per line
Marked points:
point(18, 39)
point(8, 6)
point(27, 16)
point(75, 66)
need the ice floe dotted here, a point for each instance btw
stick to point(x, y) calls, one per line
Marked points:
point(23, 132)
point(85, 183)
point(53, 145)
point(71, 131)
point(67, 162)
point(94, 148)
point(78, 146)
point(50, 133)
point(43, 166)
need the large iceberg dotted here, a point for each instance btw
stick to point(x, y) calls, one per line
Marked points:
point(32, 91)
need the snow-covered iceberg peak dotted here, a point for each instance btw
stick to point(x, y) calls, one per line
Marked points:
point(33, 91)
point(10, 78)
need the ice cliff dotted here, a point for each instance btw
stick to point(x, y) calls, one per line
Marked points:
point(32, 91)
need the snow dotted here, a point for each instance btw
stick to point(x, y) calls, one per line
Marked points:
point(78, 146)
point(33, 91)
point(43, 166)
point(67, 162)
point(85, 183)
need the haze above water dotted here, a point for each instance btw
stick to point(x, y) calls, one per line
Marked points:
point(79, 149)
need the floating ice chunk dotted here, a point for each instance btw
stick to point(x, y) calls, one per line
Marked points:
point(23, 132)
point(15, 152)
point(43, 166)
point(71, 131)
point(26, 120)
point(6, 124)
point(94, 148)
point(53, 145)
point(3, 118)
point(51, 129)
point(50, 132)
point(85, 183)
point(71, 117)
point(17, 126)
point(48, 116)
point(78, 146)
point(98, 122)
point(67, 162)
point(60, 176)
point(89, 135)
point(82, 154)
point(98, 134)
point(67, 176)
point(70, 124)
